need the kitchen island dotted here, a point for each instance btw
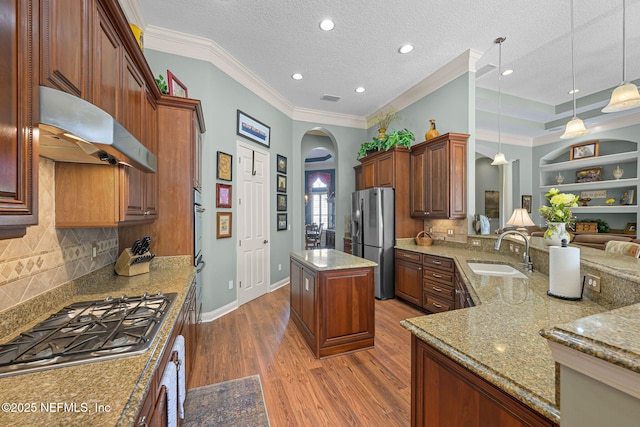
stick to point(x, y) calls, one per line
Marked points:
point(98, 393)
point(332, 301)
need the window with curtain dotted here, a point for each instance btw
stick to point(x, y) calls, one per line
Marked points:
point(319, 206)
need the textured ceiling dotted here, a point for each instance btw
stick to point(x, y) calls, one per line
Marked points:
point(276, 38)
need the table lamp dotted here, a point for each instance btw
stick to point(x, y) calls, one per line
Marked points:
point(521, 219)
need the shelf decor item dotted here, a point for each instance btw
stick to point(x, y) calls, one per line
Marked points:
point(384, 119)
point(559, 178)
point(589, 175)
point(627, 197)
point(432, 132)
point(176, 87)
point(585, 150)
point(557, 215)
point(617, 172)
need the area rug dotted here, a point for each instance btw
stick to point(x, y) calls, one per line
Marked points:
point(232, 403)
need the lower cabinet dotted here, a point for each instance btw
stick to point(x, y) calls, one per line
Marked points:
point(408, 276)
point(348, 246)
point(154, 409)
point(333, 309)
point(446, 394)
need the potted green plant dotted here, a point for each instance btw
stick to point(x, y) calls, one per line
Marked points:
point(368, 147)
point(398, 138)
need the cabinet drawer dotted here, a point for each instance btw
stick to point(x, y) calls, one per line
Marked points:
point(439, 290)
point(439, 276)
point(436, 305)
point(409, 256)
point(437, 262)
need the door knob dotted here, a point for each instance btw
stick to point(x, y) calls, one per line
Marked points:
point(265, 242)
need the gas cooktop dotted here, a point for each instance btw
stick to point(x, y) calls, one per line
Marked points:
point(87, 331)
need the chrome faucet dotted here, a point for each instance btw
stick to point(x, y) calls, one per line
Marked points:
point(526, 259)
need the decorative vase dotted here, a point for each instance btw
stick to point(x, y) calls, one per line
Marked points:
point(432, 132)
point(382, 135)
point(617, 172)
point(556, 231)
point(559, 179)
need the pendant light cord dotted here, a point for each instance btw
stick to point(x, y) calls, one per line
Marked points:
point(573, 67)
point(624, 46)
point(500, 96)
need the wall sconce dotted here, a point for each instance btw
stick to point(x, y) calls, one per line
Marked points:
point(306, 199)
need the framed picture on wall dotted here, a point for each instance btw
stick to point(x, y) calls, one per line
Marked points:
point(282, 202)
point(223, 225)
point(224, 166)
point(281, 183)
point(223, 196)
point(282, 164)
point(175, 86)
point(584, 150)
point(526, 202)
point(282, 221)
point(252, 129)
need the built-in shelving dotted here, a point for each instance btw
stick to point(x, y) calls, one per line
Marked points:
point(605, 209)
point(610, 159)
point(594, 185)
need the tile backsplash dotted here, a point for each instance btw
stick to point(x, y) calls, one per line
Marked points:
point(47, 257)
point(454, 230)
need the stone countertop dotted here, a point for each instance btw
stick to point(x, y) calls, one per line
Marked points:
point(330, 259)
point(499, 338)
point(104, 393)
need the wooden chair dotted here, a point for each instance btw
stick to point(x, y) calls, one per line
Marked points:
point(311, 236)
point(319, 236)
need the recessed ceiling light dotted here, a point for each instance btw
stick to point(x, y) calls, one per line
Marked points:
point(572, 91)
point(406, 48)
point(327, 25)
point(360, 89)
point(296, 76)
point(507, 72)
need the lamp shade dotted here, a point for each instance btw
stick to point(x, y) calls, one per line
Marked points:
point(574, 128)
point(520, 218)
point(624, 97)
point(499, 159)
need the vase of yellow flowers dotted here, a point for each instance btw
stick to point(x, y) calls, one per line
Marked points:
point(558, 215)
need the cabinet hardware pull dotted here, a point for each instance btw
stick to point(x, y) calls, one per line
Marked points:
point(419, 268)
point(436, 289)
point(437, 276)
point(436, 304)
point(437, 262)
point(142, 422)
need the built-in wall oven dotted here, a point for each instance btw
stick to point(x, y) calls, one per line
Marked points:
point(197, 249)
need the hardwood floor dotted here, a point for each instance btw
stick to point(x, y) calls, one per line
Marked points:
point(365, 388)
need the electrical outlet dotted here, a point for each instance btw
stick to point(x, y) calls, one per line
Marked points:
point(450, 232)
point(475, 242)
point(94, 250)
point(279, 267)
point(510, 247)
point(230, 284)
point(431, 230)
point(593, 282)
point(516, 249)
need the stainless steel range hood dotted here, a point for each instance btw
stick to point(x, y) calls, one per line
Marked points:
point(74, 130)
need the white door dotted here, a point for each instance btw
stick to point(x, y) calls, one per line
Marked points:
point(253, 222)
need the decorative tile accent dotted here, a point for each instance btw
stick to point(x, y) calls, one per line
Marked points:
point(46, 257)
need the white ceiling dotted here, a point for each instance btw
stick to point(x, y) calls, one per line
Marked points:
point(276, 38)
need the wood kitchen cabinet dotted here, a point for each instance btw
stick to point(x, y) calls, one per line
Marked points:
point(19, 94)
point(333, 309)
point(446, 394)
point(391, 169)
point(106, 72)
point(438, 168)
point(408, 276)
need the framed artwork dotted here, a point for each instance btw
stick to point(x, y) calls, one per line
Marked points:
point(223, 196)
point(225, 166)
point(627, 197)
point(630, 228)
point(492, 204)
point(589, 175)
point(282, 164)
point(252, 129)
point(175, 86)
point(223, 225)
point(281, 183)
point(282, 202)
point(585, 150)
point(526, 202)
point(282, 221)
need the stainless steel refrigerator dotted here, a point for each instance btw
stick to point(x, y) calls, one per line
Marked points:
point(373, 234)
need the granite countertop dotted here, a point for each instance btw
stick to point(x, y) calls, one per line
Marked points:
point(105, 393)
point(499, 339)
point(330, 259)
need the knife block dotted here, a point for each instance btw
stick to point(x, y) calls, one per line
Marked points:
point(124, 267)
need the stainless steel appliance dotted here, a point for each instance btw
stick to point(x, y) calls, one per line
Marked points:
point(373, 234)
point(197, 249)
point(87, 331)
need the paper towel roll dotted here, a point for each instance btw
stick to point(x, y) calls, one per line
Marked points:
point(564, 272)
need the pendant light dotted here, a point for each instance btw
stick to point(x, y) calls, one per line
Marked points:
point(625, 96)
point(575, 127)
point(499, 158)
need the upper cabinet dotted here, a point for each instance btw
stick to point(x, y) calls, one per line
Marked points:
point(438, 171)
point(19, 94)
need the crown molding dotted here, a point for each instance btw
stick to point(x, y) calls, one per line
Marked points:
point(460, 65)
point(325, 117)
point(133, 12)
point(613, 123)
point(489, 135)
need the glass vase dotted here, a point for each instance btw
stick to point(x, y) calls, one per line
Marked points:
point(556, 231)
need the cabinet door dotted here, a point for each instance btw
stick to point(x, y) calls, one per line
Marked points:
point(408, 281)
point(64, 46)
point(385, 176)
point(437, 184)
point(151, 142)
point(457, 179)
point(309, 299)
point(296, 287)
point(418, 183)
point(197, 157)
point(107, 65)
point(18, 94)
point(369, 174)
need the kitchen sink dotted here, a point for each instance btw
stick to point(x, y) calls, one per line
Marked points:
point(491, 269)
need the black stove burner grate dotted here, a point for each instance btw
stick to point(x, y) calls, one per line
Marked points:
point(87, 331)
